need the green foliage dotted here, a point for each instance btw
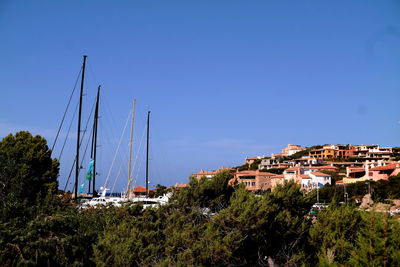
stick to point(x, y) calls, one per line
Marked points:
point(211, 193)
point(209, 223)
point(335, 233)
point(381, 190)
point(386, 189)
point(243, 167)
point(160, 190)
point(331, 193)
point(254, 166)
point(261, 227)
point(251, 229)
point(395, 153)
point(27, 170)
point(352, 159)
point(344, 236)
point(378, 243)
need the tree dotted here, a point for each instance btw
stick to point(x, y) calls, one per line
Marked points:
point(334, 234)
point(395, 153)
point(254, 166)
point(213, 193)
point(27, 171)
point(378, 243)
point(255, 228)
point(160, 190)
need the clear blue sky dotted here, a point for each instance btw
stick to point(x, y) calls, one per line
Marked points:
point(223, 79)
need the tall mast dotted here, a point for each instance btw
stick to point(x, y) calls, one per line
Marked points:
point(79, 129)
point(130, 149)
point(147, 154)
point(92, 152)
point(96, 123)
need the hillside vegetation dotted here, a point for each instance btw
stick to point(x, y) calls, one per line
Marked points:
point(208, 223)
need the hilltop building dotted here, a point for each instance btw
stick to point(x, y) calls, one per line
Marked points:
point(274, 164)
point(210, 174)
point(251, 160)
point(355, 163)
point(288, 151)
point(253, 180)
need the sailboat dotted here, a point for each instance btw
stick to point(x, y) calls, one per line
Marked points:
point(146, 201)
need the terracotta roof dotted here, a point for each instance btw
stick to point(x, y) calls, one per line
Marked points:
point(253, 158)
point(356, 169)
point(139, 189)
point(304, 176)
point(278, 176)
point(293, 169)
point(387, 167)
point(247, 172)
point(321, 174)
point(339, 182)
point(325, 168)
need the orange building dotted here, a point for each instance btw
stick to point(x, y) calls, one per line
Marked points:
point(322, 153)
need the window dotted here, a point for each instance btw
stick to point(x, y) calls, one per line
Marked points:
point(253, 183)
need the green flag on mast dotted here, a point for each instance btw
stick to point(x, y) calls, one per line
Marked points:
point(89, 173)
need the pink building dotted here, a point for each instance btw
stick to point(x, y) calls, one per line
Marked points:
point(384, 172)
point(254, 180)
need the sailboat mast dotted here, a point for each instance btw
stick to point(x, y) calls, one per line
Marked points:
point(147, 154)
point(130, 149)
point(91, 151)
point(96, 123)
point(79, 129)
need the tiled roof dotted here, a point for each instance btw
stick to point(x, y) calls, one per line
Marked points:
point(387, 167)
point(254, 158)
point(293, 169)
point(325, 168)
point(321, 174)
point(139, 189)
point(247, 172)
point(304, 176)
point(357, 170)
